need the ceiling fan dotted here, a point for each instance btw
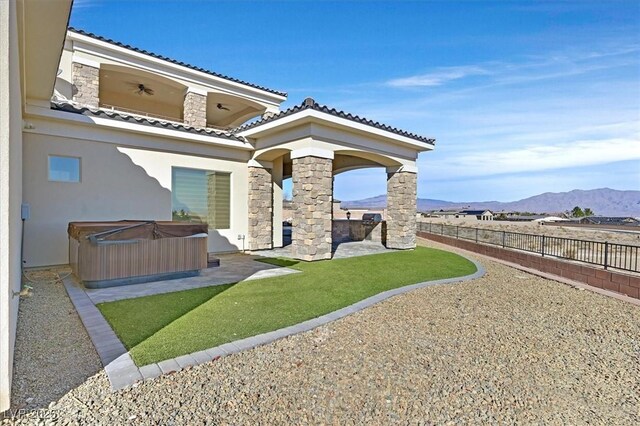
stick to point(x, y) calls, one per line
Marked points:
point(221, 106)
point(141, 89)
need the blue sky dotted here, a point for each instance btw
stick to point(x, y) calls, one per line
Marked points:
point(523, 97)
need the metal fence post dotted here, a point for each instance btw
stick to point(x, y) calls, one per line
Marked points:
point(430, 226)
point(606, 254)
point(542, 245)
point(457, 231)
point(503, 239)
point(476, 235)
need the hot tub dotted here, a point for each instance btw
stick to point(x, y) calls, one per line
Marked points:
point(105, 254)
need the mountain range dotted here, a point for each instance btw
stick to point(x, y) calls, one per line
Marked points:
point(603, 202)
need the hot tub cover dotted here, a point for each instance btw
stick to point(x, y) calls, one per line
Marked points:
point(134, 230)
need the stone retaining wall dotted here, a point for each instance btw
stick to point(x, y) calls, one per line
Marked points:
point(357, 230)
point(628, 285)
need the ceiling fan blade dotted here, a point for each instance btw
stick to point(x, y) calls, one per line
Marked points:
point(148, 91)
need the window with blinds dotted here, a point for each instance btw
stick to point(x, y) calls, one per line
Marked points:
point(201, 196)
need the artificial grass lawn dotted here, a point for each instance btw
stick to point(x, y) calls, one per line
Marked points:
point(155, 328)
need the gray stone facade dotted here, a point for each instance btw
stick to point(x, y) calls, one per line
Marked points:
point(195, 110)
point(86, 85)
point(260, 209)
point(313, 208)
point(401, 210)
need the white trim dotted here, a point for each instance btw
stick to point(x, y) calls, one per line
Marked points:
point(322, 117)
point(407, 168)
point(134, 127)
point(312, 152)
point(261, 164)
point(196, 91)
point(84, 61)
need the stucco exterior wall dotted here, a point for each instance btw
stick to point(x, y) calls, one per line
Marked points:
point(276, 176)
point(10, 192)
point(117, 182)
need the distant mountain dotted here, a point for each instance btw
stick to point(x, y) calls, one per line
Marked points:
point(604, 201)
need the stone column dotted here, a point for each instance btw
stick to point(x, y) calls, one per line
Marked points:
point(86, 82)
point(313, 207)
point(195, 109)
point(260, 209)
point(401, 209)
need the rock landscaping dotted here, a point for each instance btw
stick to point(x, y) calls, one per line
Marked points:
point(506, 348)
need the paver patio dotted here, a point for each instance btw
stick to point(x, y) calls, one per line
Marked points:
point(233, 268)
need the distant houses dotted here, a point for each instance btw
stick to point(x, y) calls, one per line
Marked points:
point(609, 220)
point(469, 215)
point(461, 215)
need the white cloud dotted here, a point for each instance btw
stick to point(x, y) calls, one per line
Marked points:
point(438, 77)
point(535, 158)
point(552, 66)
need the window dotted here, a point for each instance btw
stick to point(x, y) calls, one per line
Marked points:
point(201, 196)
point(64, 169)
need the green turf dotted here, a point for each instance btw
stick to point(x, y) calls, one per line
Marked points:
point(258, 306)
point(135, 320)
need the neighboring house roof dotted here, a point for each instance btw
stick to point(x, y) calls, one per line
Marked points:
point(445, 212)
point(475, 212)
point(310, 103)
point(609, 220)
point(525, 217)
point(174, 61)
point(68, 107)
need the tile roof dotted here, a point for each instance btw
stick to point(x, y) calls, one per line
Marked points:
point(474, 212)
point(309, 103)
point(174, 61)
point(149, 121)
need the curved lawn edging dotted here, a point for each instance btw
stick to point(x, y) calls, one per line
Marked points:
point(120, 371)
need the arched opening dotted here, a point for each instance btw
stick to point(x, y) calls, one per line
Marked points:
point(142, 93)
point(226, 111)
point(355, 175)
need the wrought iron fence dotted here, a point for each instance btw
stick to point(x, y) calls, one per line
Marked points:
point(605, 254)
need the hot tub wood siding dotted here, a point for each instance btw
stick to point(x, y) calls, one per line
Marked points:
point(117, 260)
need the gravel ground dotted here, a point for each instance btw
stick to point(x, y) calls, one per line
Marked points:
point(53, 353)
point(507, 348)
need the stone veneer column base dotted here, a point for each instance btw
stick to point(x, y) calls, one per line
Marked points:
point(195, 110)
point(260, 209)
point(313, 208)
point(86, 82)
point(401, 210)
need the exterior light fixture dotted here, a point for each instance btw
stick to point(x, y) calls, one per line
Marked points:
point(348, 215)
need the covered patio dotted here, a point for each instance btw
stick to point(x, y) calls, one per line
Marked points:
point(311, 144)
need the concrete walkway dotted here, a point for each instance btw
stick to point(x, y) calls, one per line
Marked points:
point(233, 268)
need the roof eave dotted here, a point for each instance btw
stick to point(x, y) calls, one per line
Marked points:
point(92, 39)
point(310, 115)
